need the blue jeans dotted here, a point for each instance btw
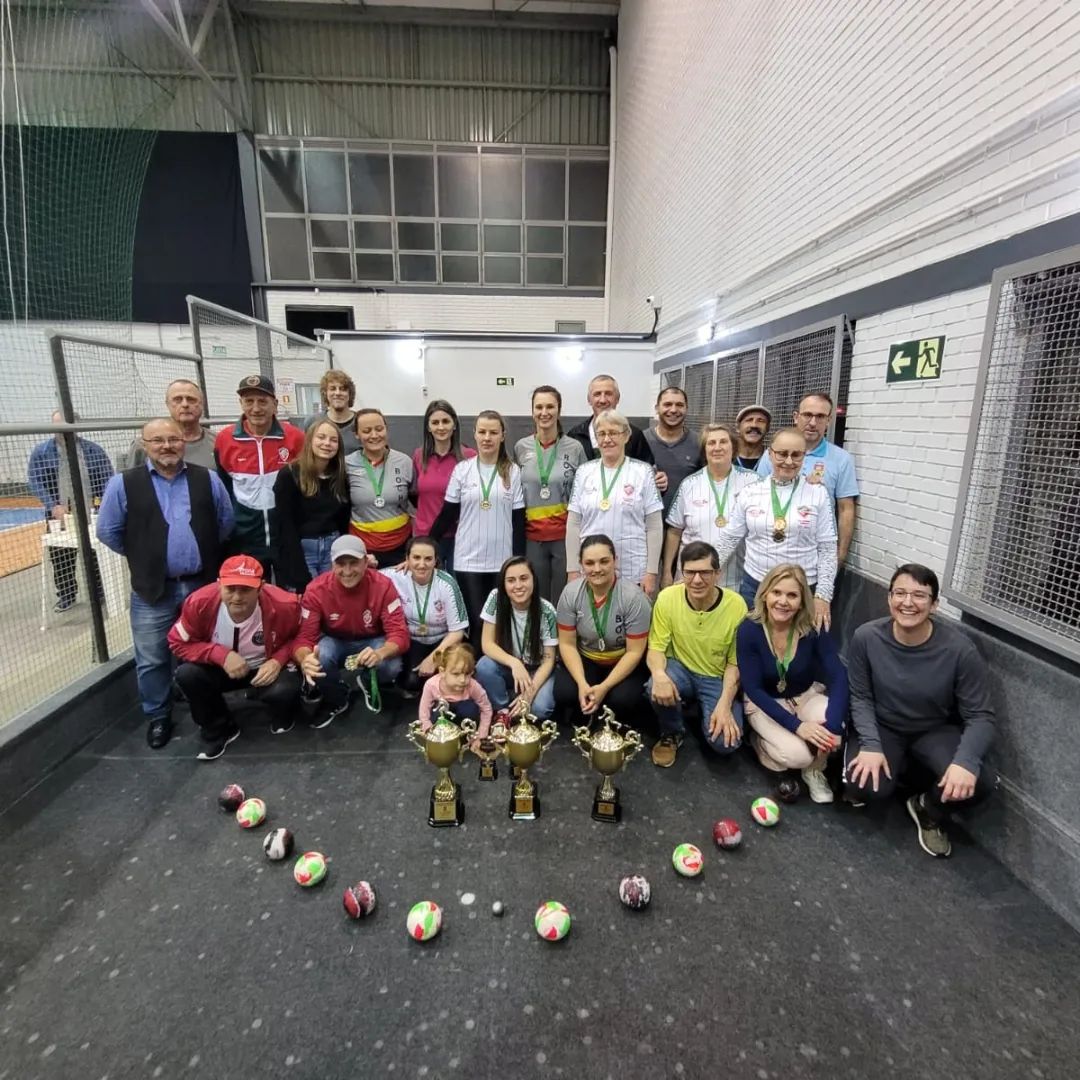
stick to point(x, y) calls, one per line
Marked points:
point(316, 551)
point(332, 654)
point(707, 690)
point(748, 589)
point(150, 624)
point(498, 683)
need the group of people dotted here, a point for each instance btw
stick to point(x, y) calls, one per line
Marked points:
point(538, 578)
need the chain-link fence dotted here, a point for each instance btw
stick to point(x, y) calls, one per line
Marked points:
point(65, 596)
point(234, 345)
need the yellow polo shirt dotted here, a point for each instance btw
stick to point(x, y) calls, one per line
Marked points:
point(703, 641)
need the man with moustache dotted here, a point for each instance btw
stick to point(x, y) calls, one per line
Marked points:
point(752, 424)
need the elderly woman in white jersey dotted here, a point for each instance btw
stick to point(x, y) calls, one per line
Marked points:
point(434, 611)
point(485, 501)
point(616, 496)
point(785, 520)
point(379, 482)
point(704, 502)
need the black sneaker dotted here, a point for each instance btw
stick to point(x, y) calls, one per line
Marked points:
point(279, 726)
point(329, 715)
point(214, 748)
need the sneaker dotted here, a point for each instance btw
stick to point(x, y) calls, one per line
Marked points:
point(214, 748)
point(329, 715)
point(665, 750)
point(817, 785)
point(279, 726)
point(933, 839)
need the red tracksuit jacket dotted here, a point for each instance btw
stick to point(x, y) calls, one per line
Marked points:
point(371, 609)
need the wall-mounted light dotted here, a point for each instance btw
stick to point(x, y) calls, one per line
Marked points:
point(569, 357)
point(409, 355)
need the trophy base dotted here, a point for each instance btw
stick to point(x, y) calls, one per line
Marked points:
point(446, 813)
point(525, 807)
point(604, 809)
point(488, 771)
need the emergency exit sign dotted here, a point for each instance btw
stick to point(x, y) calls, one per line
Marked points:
point(911, 361)
point(503, 380)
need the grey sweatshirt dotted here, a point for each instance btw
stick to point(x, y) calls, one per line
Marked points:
point(915, 688)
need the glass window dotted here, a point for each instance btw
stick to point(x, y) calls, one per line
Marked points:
point(500, 177)
point(545, 190)
point(414, 185)
point(331, 234)
point(544, 239)
point(502, 270)
point(369, 184)
point(325, 174)
point(461, 269)
point(332, 265)
point(588, 190)
point(372, 234)
point(544, 271)
point(417, 267)
point(287, 247)
point(458, 237)
point(585, 259)
point(371, 267)
point(283, 188)
point(416, 235)
point(502, 238)
point(458, 195)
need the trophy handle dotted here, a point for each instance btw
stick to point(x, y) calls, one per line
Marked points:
point(632, 745)
point(549, 732)
point(443, 712)
point(582, 740)
point(415, 735)
point(468, 730)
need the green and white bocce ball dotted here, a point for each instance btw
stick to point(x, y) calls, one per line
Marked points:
point(310, 869)
point(687, 860)
point(765, 812)
point(424, 921)
point(250, 813)
point(552, 920)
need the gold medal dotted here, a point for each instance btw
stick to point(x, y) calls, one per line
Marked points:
point(780, 524)
point(605, 504)
point(422, 629)
point(485, 504)
point(721, 521)
point(781, 686)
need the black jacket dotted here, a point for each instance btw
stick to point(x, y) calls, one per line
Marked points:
point(637, 446)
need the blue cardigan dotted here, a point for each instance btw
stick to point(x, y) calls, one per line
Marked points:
point(815, 660)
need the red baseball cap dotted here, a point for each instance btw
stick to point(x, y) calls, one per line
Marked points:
point(241, 570)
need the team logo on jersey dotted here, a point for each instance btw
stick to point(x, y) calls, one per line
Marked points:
point(257, 638)
point(699, 502)
point(628, 490)
point(283, 453)
point(368, 618)
point(817, 474)
point(334, 616)
point(804, 514)
point(754, 511)
point(439, 606)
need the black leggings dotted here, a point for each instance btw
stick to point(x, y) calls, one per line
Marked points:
point(474, 591)
point(410, 679)
point(626, 700)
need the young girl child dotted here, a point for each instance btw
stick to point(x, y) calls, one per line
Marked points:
point(454, 684)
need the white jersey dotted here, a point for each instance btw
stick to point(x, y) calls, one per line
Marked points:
point(549, 631)
point(484, 538)
point(441, 601)
point(694, 511)
point(633, 495)
point(809, 540)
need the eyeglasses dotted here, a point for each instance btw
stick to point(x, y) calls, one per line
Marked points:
point(904, 594)
point(698, 573)
point(609, 436)
point(822, 416)
point(790, 455)
point(160, 441)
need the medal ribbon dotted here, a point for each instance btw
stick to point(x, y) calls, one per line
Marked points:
point(422, 611)
point(524, 636)
point(778, 510)
point(545, 468)
point(377, 485)
point(605, 487)
point(720, 503)
point(600, 622)
point(782, 665)
point(485, 489)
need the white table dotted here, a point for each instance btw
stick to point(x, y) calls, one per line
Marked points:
point(112, 567)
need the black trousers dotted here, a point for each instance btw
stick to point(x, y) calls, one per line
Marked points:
point(205, 685)
point(626, 701)
point(65, 573)
point(389, 559)
point(412, 680)
point(931, 752)
point(474, 591)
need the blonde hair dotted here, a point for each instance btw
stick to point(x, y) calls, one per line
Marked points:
point(711, 429)
point(804, 617)
point(460, 651)
point(610, 416)
point(336, 377)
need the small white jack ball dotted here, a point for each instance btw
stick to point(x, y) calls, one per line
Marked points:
point(497, 908)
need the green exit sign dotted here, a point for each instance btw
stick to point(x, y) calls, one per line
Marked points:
point(504, 380)
point(911, 361)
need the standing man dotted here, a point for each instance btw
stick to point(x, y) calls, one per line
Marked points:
point(675, 449)
point(234, 633)
point(170, 520)
point(49, 478)
point(752, 425)
point(351, 611)
point(692, 656)
point(826, 464)
point(248, 456)
point(603, 395)
point(184, 400)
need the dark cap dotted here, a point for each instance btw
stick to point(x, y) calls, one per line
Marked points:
point(261, 384)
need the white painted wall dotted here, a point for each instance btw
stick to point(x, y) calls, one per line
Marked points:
point(441, 311)
point(771, 155)
point(908, 438)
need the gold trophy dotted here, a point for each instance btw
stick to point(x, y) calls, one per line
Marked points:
point(525, 744)
point(490, 748)
point(442, 744)
point(608, 751)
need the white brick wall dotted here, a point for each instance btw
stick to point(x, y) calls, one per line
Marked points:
point(440, 311)
point(774, 154)
point(908, 438)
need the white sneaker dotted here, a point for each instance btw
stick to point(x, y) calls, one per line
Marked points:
point(818, 786)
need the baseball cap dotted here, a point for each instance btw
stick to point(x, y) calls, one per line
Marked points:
point(752, 408)
point(347, 545)
point(262, 384)
point(241, 570)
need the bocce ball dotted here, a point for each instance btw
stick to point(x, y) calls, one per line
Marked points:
point(424, 921)
point(552, 920)
point(310, 869)
point(251, 812)
point(788, 790)
point(726, 833)
point(232, 795)
point(687, 860)
point(497, 909)
point(765, 811)
point(359, 900)
point(278, 844)
point(634, 892)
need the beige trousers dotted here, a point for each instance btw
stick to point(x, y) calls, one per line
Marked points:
point(779, 749)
